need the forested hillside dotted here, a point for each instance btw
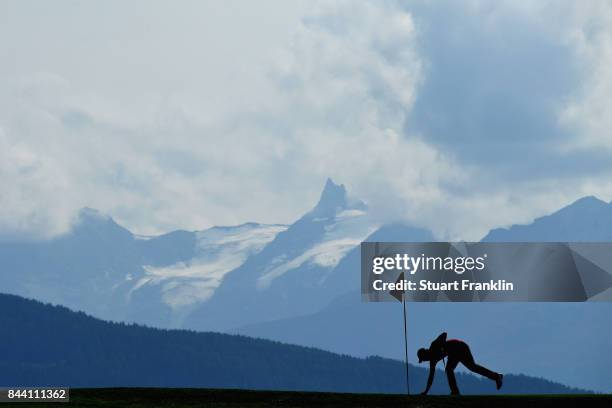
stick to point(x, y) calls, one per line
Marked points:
point(48, 345)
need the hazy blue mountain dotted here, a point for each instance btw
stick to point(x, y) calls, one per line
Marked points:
point(76, 269)
point(277, 271)
point(587, 219)
point(542, 339)
point(184, 284)
point(103, 269)
point(45, 345)
point(299, 272)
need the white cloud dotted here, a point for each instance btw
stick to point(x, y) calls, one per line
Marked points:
point(589, 33)
point(339, 81)
point(185, 117)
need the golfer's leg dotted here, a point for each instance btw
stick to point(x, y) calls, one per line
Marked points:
point(470, 364)
point(450, 375)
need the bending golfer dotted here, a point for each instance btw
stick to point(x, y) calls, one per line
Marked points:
point(457, 352)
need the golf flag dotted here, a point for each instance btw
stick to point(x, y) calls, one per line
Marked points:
point(398, 294)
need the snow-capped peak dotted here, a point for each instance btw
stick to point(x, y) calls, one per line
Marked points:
point(334, 200)
point(218, 250)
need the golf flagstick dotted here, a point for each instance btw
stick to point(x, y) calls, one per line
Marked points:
point(406, 344)
point(400, 295)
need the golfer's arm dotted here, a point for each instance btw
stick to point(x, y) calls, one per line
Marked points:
point(432, 372)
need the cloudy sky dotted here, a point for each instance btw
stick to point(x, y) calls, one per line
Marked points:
point(457, 116)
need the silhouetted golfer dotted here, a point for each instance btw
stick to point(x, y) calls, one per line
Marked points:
point(457, 352)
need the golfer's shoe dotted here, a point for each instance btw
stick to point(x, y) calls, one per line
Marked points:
point(499, 380)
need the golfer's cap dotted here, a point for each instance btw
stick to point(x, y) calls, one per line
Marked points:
point(421, 354)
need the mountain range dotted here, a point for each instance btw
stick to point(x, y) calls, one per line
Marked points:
point(299, 284)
